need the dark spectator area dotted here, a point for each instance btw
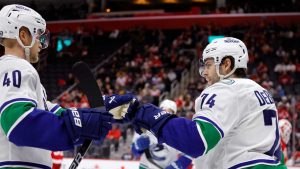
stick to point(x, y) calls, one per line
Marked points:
point(81, 9)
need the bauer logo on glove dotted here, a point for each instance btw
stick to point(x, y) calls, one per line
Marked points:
point(158, 115)
point(76, 115)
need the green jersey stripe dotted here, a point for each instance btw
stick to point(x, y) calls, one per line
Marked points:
point(142, 166)
point(12, 113)
point(262, 166)
point(59, 111)
point(211, 134)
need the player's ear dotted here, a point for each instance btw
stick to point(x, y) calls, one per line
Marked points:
point(25, 36)
point(227, 64)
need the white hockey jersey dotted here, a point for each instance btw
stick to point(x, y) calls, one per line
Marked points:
point(245, 116)
point(12, 69)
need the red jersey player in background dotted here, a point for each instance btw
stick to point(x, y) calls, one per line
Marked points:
point(57, 157)
point(285, 128)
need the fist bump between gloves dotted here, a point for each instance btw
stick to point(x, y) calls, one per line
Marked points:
point(127, 107)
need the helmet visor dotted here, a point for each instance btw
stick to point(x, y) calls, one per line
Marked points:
point(44, 38)
point(201, 67)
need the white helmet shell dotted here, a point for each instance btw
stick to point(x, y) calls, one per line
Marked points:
point(285, 129)
point(228, 46)
point(13, 17)
point(168, 104)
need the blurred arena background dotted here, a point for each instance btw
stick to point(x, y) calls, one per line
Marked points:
point(152, 48)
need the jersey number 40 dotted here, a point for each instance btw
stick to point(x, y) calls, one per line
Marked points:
point(15, 76)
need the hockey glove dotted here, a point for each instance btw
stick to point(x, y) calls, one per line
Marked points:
point(142, 143)
point(119, 105)
point(87, 123)
point(149, 117)
point(182, 163)
point(135, 152)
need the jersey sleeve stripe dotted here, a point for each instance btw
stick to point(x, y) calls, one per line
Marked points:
point(213, 123)
point(203, 139)
point(54, 108)
point(142, 166)
point(6, 104)
point(210, 133)
point(12, 113)
point(256, 162)
point(59, 111)
point(21, 164)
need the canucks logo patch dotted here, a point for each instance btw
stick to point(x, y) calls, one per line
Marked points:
point(227, 81)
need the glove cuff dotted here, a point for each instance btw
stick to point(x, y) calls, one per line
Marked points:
point(73, 123)
point(156, 129)
point(152, 118)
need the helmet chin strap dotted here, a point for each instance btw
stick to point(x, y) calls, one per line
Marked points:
point(27, 53)
point(224, 76)
point(26, 48)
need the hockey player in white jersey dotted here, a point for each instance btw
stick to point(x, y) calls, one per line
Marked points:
point(30, 126)
point(235, 123)
point(159, 156)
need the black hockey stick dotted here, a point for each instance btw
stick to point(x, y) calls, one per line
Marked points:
point(89, 86)
point(150, 159)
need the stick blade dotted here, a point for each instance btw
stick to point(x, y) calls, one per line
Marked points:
point(88, 84)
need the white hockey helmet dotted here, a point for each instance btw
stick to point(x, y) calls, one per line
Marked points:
point(285, 128)
point(168, 104)
point(13, 17)
point(228, 46)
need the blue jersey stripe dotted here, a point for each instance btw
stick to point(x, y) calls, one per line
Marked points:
point(54, 108)
point(16, 100)
point(213, 123)
point(253, 162)
point(21, 163)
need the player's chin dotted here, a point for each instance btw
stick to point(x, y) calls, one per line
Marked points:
point(208, 81)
